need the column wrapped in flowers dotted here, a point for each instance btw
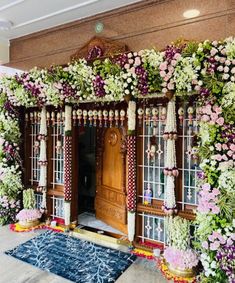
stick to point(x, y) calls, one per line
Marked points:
point(67, 164)
point(43, 156)
point(131, 159)
point(170, 170)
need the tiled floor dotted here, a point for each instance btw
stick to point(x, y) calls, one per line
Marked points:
point(15, 271)
point(88, 219)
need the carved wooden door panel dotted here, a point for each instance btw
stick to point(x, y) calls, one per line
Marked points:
point(110, 201)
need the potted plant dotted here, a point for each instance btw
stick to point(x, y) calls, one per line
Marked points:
point(180, 258)
point(29, 216)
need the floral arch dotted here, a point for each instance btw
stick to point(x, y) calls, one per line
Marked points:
point(206, 70)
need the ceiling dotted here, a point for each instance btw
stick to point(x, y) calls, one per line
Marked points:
point(29, 16)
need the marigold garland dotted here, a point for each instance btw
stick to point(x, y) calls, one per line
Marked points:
point(165, 271)
point(16, 228)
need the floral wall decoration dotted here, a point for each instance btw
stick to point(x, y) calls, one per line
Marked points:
point(205, 69)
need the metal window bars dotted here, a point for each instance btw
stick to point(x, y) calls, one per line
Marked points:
point(57, 207)
point(58, 149)
point(38, 198)
point(153, 156)
point(35, 145)
point(190, 167)
point(153, 228)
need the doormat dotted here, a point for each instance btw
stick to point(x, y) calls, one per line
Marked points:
point(74, 259)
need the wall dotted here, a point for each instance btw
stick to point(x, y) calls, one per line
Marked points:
point(142, 25)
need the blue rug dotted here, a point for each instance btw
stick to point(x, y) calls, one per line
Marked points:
point(77, 260)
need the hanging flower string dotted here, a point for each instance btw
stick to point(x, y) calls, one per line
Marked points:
point(170, 170)
point(68, 163)
point(131, 160)
point(42, 185)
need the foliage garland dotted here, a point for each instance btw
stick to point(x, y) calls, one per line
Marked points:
point(206, 68)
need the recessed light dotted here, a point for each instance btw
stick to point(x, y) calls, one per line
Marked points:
point(191, 13)
point(5, 24)
point(99, 27)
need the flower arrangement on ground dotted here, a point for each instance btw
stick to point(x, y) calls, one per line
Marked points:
point(178, 254)
point(29, 216)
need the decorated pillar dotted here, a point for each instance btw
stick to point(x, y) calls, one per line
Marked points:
point(43, 157)
point(67, 164)
point(131, 160)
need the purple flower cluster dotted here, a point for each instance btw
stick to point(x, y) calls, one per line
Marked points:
point(28, 84)
point(67, 90)
point(98, 84)
point(121, 60)
point(142, 75)
point(170, 52)
point(226, 258)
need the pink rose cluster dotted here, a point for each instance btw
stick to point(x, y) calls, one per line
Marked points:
point(167, 70)
point(225, 152)
point(218, 61)
point(216, 240)
point(129, 61)
point(211, 114)
point(28, 214)
point(180, 259)
point(208, 199)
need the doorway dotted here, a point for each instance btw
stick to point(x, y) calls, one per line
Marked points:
point(93, 212)
point(86, 170)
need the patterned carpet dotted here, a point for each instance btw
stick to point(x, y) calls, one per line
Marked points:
point(77, 260)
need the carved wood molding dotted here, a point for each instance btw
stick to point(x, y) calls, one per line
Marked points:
point(99, 47)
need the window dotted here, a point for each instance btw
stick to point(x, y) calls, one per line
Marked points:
point(58, 151)
point(35, 147)
point(151, 151)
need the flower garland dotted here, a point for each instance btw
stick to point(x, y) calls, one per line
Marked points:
point(67, 163)
point(43, 157)
point(131, 160)
point(170, 169)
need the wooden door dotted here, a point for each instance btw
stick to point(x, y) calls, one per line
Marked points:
point(110, 200)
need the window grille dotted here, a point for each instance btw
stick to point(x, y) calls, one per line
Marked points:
point(190, 166)
point(153, 228)
point(153, 156)
point(58, 150)
point(35, 148)
point(57, 207)
point(38, 198)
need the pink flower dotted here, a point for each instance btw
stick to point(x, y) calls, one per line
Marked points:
point(205, 245)
point(220, 121)
point(218, 157)
point(163, 66)
point(177, 56)
point(162, 74)
point(230, 153)
point(173, 63)
point(206, 186)
point(225, 147)
point(126, 66)
point(214, 246)
point(229, 242)
point(205, 118)
point(170, 86)
point(218, 146)
point(215, 210)
point(232, 147)
point(132, 70)
point(137, 61)
point(214, 117)
point(220, 68)
point(217, 109)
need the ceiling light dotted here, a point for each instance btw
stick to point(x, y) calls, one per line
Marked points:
point(5, 24)
point(99, 27)
point(191, 13)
